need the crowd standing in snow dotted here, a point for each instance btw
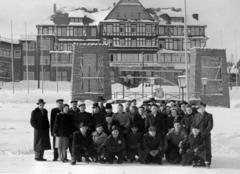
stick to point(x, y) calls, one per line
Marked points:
point(180, 133)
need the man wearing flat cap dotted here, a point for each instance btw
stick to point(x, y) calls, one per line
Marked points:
point(204, 121)
point(115, 146)
point(83, 117)
point(99, 143)
point(134, 144)
point(82, 145)
point(39, 121)
point(152, 147)
point(54, 113)
point(98, 116)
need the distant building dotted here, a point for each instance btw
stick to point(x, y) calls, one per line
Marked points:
point(139, 38)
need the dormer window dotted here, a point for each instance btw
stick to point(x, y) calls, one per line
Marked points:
point(76, 20)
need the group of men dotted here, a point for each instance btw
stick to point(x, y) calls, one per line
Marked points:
point(178, 132)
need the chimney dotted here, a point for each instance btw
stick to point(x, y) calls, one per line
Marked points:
point(195, 16)
point(114, 4)
point(54, 8)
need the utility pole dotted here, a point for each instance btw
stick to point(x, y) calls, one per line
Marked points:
point(186, 49)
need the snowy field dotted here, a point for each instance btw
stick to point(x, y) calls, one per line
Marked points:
point(16, 135)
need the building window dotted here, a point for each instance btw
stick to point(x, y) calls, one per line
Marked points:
point(93, 32)
point(109, 28)
point(59, 31)
point(148, 29)
point(46, 75)
point(64, 31)
point(180, 31)
point(134, 43)
point(161, 31)
point(17, 54)
point(134, 28)
point(176, 58)
point(30, 46)
point(31, 60)
point(45, 45)
point(44, 60)
point(122, 28)
point(122, 42)
point(30, 76)
point(45, 30)
point(169, 44)
point(168, 58)
point(148, 42)
point(62, 75)
point(50, 30)
point(39, 30)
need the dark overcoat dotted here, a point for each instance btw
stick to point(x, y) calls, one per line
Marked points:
point(141, 123)
point(40, 123)
point(187, 122)
point(53, 115)
point(98, 118)
point(107, 129)
point(205, 123)
point(85, 118)
point(115, 145)
point(158, 122)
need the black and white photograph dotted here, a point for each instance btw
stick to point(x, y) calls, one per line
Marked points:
point(120, 86)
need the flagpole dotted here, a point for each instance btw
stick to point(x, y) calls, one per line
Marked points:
point(41, 59)
point(27, 57)
point(186, 49)
point(12, 58)
point(56, 57)
point(236, 59)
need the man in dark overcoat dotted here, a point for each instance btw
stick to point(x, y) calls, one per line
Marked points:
point(156, 119)
point(53, 116)
point(108, 123)
point(188, 119)
point(152, 147)
point(204, 121)
point(196, 145)
point(73, 111)
point(83, 117)
point(100, 102)
point(82, 147)
point(98, 116)
point(39, 121)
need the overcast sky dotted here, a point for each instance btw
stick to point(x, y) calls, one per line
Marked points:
point(218, 15)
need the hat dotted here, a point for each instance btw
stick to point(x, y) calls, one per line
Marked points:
point(99, 125)
point(65, 105)
point(183, 102)
point(189, 106)
point(176, 121)
point(82, 125)
point(95, 105)
point(145, 104)
point(73, 101)
point(193, 104)
point(114, 127)
point(134, 100)
point(120, 105)
point(195, 127)
point(172, 101)
point(59, 100)
point(203, 104)
point(174, 108)
point(108, 106)
point(100, 98)
point(133, 126)
point(152, 100)
point(152, 128)
point(128, 101)
point(154, 105)
point(108, 115)
point(141, 107)
point(81, 103)
point(41, 101)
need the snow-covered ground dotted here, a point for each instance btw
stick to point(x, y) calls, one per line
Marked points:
point(16, 135)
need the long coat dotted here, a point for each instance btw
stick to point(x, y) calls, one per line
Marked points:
point(115, 145)
point(98, 118)
point(205, 123)
point(187, 122)
point(158, 122)
point(40, 123)
point(141, 123)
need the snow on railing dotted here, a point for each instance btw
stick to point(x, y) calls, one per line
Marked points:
point(3, 39)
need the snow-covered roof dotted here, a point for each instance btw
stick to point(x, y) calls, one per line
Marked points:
point(181, 37)
point(66, 52)
point(67, 40)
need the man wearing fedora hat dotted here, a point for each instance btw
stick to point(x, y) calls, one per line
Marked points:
point(39, 121)
point(109, 109)
point(100, 102)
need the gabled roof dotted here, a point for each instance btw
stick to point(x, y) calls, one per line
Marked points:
point(129, 10)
